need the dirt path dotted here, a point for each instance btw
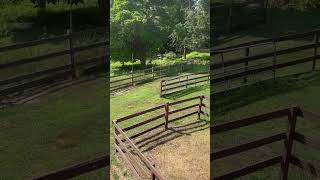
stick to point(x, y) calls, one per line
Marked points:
point(186, 157)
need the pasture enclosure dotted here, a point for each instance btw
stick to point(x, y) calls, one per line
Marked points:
point(251, 62)
point(127, 131)
point(37, 63)
point(172, 85)
point(289, 136)
point(128, 79)
point(234, 14)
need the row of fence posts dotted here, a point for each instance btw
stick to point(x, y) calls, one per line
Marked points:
point(152, 71)
point(247, 54)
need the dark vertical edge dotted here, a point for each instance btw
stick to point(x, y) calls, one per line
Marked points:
point(105, 14)
point(292, 117)
point(212, 42)
point(316, 41)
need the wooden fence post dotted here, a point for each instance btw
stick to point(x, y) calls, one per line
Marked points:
point(161, 81)
point(72, 63)
point(132, 78)
point(166, 107)
point(245, 80)
point(316, 41)
point(200, 105)
point(274, 59)
point(292, 117)
point(187, 81)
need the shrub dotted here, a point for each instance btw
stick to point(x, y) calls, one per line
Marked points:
point(170, 55)
point(198, 55)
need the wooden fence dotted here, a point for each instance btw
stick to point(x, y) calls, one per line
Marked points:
point(125, 80)
point(289, 137)
point(259, 57)
point(78, 169)
point(127, 149)
point(172, 85)
point(226, 17)
point(20, 82)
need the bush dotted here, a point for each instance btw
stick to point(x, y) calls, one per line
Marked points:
point(198, 55)
point(170, 55)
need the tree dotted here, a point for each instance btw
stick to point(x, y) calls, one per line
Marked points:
point(193, 31)
point(133, 35)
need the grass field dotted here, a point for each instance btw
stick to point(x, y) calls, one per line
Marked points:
point(287, 90)
point(54, 131)
point(140, 98)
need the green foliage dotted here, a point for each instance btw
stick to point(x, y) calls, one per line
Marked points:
point(198, 55)
point(170, 55)
point(143, 28)
point(193, 32)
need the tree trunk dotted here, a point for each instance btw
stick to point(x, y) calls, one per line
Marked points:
point(184, 53)
point(104, 10)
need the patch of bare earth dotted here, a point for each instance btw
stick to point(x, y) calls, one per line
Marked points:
point(186, 157)
point(180, 152)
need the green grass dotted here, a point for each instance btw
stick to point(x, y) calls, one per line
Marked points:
point(302, 90)
point(141, 98)
point(54, 131)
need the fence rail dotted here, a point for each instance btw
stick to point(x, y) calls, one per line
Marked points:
point(21, 81)
point(132, 78)
point(261, 61)
point(288, 137)
point(78, 169)
point(179, 83)
point(127, 149)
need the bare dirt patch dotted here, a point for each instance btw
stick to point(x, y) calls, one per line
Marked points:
point(186, 157)
point(181, 151)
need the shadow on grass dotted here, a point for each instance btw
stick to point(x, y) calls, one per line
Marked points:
point(228, 101)
point(163, 136)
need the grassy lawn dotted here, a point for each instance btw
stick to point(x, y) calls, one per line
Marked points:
point(140, 98)
point(294, 85)
point(54, 131)
point(302, 90)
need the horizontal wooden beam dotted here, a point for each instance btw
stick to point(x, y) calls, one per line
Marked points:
point(144, 122)
point(181, 117)
point(32, 43)
point(139, 113)
point(250, 169)
point(247, 146)
point(182, 109)
point(34, 59)
point(248, 121)
point(77, 169)
point(307, 166)
point(34, 75)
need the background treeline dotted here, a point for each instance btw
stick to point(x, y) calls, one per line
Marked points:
point(141, 29)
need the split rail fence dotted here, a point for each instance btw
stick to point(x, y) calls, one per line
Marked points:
point(125, 80)
point(78, 169)
point(21, 81)
point(141, 166)
point(289, 137)
point(172, 85)
point(261, 59)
